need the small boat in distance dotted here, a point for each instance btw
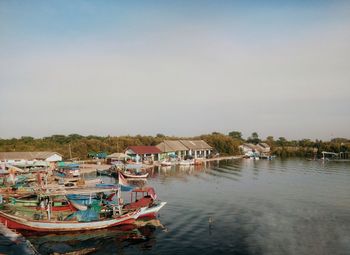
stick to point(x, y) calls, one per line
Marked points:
point(135, 175)
point(166, 163)
point(135, 171)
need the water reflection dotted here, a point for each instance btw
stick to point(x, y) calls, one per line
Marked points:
point(140, 234)
point(234, 207)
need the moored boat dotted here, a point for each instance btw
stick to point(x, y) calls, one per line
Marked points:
point(21, 223)
point(128, 174)
point(166, 163)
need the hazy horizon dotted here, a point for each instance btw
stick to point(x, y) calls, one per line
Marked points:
point(180, 68)
point(244, 136)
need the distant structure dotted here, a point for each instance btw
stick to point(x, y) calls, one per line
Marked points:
point(197, 148)
point(116, 157)
point(249, 149)
point(172, 148)
point(24, 157)
point(183, 148)
point(143, 153)
point(263, 148)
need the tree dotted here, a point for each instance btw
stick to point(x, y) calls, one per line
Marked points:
point(235, 135)
point(254, 138)
point(270, 141)
point(281, 141)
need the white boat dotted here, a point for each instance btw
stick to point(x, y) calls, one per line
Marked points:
point(128, 174)
point(166, 163)
point(186, 162)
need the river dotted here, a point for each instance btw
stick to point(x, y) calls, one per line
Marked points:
point(240, 206)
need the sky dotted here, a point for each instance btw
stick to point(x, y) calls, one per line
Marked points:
point(181, 68)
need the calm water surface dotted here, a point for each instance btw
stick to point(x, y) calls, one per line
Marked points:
point(234, 207)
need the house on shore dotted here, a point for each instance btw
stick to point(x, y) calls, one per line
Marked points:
point(197, 148)
point(263, 148)
point(172, 149)
point(116, 157)
point(143, 153)
point(30, 159)
point(249, 149)
point(23, 157)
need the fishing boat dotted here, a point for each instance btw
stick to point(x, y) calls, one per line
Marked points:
point(147, 202)
point(144, 199)
point(67, 170)
point(133, 170)
point(108, 172)
point(21, 223)
point(166, 163)
point(36, 206)
point(186, 162)
point(81, 201)
point(135, 175)
point(35, 202)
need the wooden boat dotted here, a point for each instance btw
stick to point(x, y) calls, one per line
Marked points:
point(197, 162)
point(107, 172)
point(81, 202)
point(147, 202)
point(33, 203)
point(79, 206)
point(128, 174)
point(166, 163)
point(186, 162)
point(21, 223)
point(36, 206)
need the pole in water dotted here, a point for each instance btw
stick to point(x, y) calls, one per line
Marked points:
point(210, 221)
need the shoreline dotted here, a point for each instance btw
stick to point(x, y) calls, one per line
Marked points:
point(87, 168)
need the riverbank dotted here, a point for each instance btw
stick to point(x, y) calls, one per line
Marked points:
point(87, 168)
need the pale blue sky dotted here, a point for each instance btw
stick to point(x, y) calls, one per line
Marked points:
point(183, 68)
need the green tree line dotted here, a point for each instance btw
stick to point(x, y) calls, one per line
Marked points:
point(225, 144)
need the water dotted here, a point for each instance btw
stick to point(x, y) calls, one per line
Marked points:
point(234, 207)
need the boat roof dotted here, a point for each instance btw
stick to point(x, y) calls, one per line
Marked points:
point(143, 189)
point(144, 149)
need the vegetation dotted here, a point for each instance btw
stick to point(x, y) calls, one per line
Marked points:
point(81, 146)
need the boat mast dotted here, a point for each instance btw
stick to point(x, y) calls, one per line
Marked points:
point(119, 199)
point(70, 152)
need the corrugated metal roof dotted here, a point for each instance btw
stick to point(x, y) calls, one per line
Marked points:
point(196, 144)
point(265, 145)
point(118, 155)
point(176, 145)
point(163, 147)
point(26, 155)
point(144, 149)
point(171, 146)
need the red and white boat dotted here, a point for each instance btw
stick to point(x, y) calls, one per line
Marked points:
point(19, 223)
point(147, 202)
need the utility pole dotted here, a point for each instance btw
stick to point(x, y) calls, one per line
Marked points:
point(70, 152)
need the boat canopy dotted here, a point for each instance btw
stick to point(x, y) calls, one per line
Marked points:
point(148, 190)
point(133, 166)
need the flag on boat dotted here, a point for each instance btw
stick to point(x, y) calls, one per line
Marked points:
point(122, 180)
point(152, 193)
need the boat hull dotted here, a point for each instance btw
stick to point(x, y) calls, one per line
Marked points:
point(151, 211)
point(18, 223)
point(141, 176)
